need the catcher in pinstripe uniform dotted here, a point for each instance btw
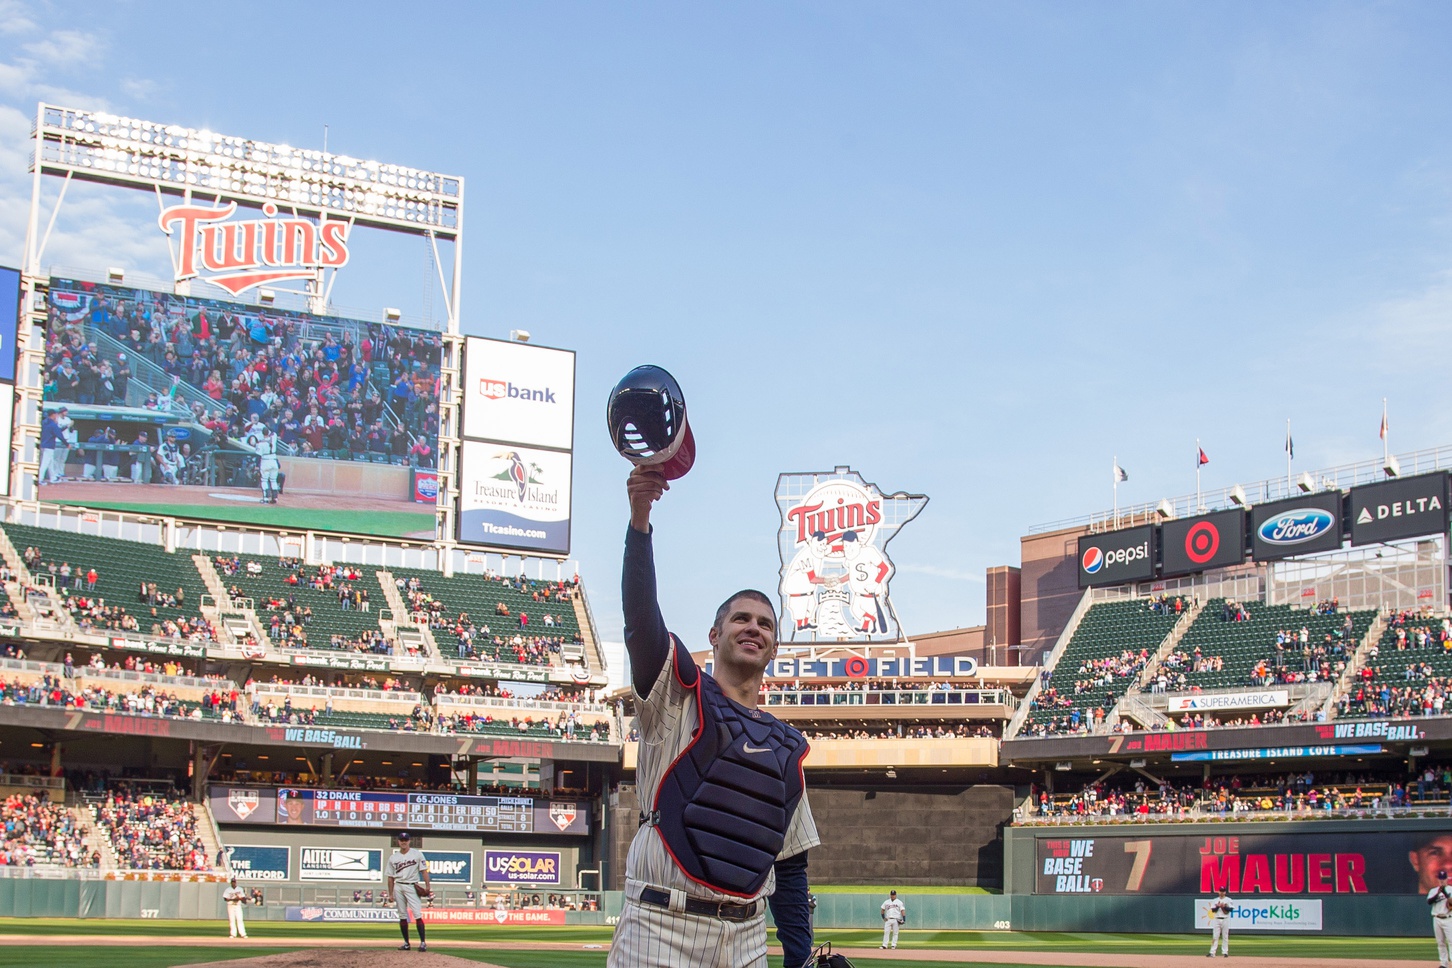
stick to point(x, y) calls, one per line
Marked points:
point(725, 826)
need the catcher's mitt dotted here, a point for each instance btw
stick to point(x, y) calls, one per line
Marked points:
point(425, 893)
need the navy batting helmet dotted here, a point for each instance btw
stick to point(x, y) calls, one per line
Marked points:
point(647, 420)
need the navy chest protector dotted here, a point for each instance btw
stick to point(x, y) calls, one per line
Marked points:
point(724, 805)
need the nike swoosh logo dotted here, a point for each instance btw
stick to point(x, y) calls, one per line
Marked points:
point(748, 748)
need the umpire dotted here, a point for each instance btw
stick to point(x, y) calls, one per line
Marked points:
point(724, 826)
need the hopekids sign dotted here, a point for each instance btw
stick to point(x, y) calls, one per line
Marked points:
point(1301, 915)
point(833, 540)
point(521, 867)
point(1116, 557)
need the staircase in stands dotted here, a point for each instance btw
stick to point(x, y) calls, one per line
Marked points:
point(405, 630)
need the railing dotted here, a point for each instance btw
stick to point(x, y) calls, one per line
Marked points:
point(1048, 663)
point(32, 781)
point(1025, 817)
point(891, 697)
point(442, 699)
point(155, 678)
point(327, 692)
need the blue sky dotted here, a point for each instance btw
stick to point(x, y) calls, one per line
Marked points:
point(970, 250)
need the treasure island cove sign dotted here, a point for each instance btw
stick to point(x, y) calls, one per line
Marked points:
point(834, 565)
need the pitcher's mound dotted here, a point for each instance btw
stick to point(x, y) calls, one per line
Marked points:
point(351, 958)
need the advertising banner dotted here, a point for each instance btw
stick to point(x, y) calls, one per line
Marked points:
point(450, 866)
point(481, 916)
point(258, 863)
point(1274, 753)
point(242, 804)
point(1117, 556)
point(340, 864)
point(515, 393)
point(1299, 526)
point(1408, 507)
point(521, 867)
point(9, 322)
point(514, 497)
point(1250, 867)
point(1229, 700)
point(1200, 543)
point(425, 486)
point(1302, 915)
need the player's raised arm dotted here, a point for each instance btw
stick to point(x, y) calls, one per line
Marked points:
point(645, 633)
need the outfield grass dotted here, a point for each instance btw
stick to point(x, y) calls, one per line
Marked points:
point(274, 936)
point(384, 524)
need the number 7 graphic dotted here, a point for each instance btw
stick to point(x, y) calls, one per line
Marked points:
point(1141, 849)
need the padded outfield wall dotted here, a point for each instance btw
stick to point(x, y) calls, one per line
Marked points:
point(1350, 877)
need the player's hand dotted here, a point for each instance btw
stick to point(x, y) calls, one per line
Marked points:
point(645, 485)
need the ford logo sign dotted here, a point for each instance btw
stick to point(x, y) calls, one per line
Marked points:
point(1296, 526)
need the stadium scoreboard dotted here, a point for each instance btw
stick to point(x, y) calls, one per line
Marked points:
point(398, 810)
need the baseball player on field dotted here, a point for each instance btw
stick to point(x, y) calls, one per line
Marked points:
point(268, 465)
point(1440, 900)
point(1220, 909)
point(725, 826)
point(894, 913)
point(235, 898)
point(406, 869)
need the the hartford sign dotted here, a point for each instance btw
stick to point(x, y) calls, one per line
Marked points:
point(239, 255)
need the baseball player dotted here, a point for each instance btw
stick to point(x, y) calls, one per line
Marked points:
point(268, 465)
point(800, 582)
point(1220, 909)
point(724, 824)
point(235, 898)
point(867, 573)
point(894, 913)
point(405, 867)
point(169, 460)
point(1440, 899)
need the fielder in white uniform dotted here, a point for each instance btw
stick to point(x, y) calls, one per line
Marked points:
point(235, 898)
point(743, 643)
point(867, 574)
point(1440, 900)
point(800, 582)
point(406, 867)
point(268, 466)
point(894, 913)
point(1220, 909)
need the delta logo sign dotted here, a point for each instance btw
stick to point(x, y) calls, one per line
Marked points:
point(1296, 526)
point(240, 255)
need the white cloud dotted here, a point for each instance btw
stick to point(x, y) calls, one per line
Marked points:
point(15, 18)
point(65, 49)
point(937, 572)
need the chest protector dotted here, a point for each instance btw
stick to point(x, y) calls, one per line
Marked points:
point(724, 805)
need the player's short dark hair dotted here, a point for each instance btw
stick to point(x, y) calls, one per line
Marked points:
point(751, 593)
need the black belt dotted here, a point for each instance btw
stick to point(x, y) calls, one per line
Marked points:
point(726, 911)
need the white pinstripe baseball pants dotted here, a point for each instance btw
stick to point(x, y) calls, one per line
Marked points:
point(654, 937)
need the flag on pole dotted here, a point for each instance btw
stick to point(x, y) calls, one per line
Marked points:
point(1290, 446)
point(1382, 435)
point(1120, 474)
point(1203, 460)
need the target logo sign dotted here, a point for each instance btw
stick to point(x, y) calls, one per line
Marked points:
point(1201, 542)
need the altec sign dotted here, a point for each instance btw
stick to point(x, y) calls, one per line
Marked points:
point(242, 254)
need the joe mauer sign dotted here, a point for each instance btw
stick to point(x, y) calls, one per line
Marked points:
point(834, 565)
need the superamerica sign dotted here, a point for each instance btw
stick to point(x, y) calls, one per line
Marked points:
point(238, 255)
point(833, 538)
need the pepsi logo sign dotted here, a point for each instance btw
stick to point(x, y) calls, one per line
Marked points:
point(1096, 559)
point(1296, 526)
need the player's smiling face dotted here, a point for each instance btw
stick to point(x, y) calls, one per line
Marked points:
point(747, 635)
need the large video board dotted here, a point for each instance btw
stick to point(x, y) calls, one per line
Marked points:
point(379, 810)
point(515, 463)
point(217, 410)
point(9, 339)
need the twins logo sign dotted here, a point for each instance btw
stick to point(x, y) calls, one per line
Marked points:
point(833, 544)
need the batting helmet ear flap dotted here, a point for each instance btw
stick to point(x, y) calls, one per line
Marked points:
point(646, 417)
